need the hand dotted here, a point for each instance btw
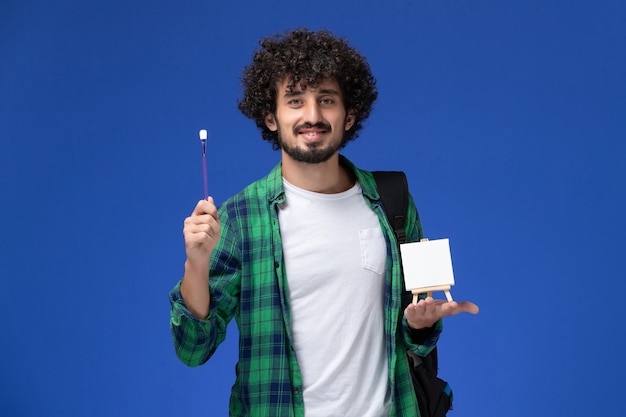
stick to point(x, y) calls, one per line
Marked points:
point(428, 311)
point(201, 231)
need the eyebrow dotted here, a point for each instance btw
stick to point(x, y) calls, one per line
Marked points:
point(294, 93)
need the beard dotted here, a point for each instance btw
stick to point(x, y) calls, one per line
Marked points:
point(314, 153)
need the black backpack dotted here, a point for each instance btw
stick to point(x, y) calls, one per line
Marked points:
point(434, 395)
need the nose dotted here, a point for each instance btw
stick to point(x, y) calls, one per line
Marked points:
point(312, 113)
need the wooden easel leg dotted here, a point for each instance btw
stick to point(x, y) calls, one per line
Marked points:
point(414, 298)
point(448, 295)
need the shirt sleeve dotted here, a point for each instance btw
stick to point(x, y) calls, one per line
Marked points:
point(421, 342)
point(195, 340)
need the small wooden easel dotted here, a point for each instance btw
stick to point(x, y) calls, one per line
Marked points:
point(430, 290)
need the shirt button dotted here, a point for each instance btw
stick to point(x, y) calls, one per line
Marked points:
point(296, 390)
point(276, 265)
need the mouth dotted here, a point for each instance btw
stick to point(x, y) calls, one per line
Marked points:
point(312, 133)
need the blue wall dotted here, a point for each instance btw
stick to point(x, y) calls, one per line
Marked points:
point(507, 116)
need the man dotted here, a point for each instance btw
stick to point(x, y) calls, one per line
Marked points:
point(304, 259)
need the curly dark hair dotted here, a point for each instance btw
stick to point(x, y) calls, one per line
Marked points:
point(306, 58)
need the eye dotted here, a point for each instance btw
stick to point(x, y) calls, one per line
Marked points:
point(327, 101)
point(294, 102)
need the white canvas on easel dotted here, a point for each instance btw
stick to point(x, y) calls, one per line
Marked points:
point(427, 266)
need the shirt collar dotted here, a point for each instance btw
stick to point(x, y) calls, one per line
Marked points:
point(276, 192)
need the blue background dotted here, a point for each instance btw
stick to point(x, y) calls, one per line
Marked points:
point(508, 117)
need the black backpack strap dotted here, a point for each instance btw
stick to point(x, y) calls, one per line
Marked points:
point(394, 195)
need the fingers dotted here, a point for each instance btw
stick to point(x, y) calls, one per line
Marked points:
point(428, 311)
point(449, 307)
point(203, 219)
point(205, 207)
point(201, 231)
point(202, 224)
point(425, 313)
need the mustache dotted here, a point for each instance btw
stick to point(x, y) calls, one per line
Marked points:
point(318, 125)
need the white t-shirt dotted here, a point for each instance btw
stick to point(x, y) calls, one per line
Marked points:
point(335, 257)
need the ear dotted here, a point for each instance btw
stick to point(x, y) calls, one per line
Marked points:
point(270, 122)
point(350, 119)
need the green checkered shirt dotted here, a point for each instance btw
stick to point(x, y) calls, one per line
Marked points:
point(248, 283)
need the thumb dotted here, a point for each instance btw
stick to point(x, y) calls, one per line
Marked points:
point(468, 307)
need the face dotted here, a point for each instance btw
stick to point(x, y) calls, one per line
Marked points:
point(310, 122)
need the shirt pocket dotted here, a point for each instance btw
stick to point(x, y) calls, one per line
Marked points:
point(373, 249)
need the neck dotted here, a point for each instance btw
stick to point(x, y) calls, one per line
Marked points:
point(328, 177)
